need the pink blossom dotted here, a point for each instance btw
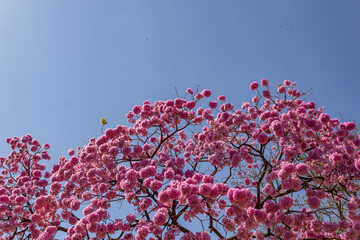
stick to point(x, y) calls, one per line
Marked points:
point(206, 92)
point(287, 82)
point(143, 232)
point(316, 226)
point(155, 185)
point(281, 89)
point(193, 200)
point(189, 163)
point(72, 220)
point(45, 155)
point(221, 98)
point(169, 174)
point(330, 227)
point(267, 94)
point(51, 230)
point(286, 202)
point(131, 218)
point(264, 82)
point(75, 204)
point(254, 86)
point(208, 179)
point(191, 104)
point(302, 169)
point(71, 152)
point(159, 218)
point(164, 197)
point(324, 118)
point(260, 215)
point(205, 189)
point(313, 202)
point(262, 138)
point(336, 157)
point(212, 104)
point(202, 236)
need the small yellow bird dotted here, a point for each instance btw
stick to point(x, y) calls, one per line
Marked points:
point(103, 121)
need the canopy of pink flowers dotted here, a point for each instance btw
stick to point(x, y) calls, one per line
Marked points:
point(277, 168)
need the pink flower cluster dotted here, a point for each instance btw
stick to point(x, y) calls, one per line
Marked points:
point(276, 168)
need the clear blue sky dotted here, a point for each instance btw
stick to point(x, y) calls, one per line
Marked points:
point(65, 64)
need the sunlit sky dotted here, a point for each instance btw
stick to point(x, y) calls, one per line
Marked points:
point(65, 64)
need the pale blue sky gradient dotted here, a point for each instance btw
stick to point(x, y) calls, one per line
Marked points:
point(65, 64)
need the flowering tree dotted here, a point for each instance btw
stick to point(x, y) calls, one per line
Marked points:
point(278, 168)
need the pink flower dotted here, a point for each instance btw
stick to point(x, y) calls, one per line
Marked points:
point(262, 138)
point(102, 187)
point(344, 225)
point(296, 184)
point(286, 202)
point(87, 210)
point(202, 236)
point(189, 91)
point(136, 109)
point(131, 218)
point(199, 96)
point(74, 160)
point(51, 230)
point(206, 92)
point(155, 185)
point(205, 189)
point(270, 206)
point(212, 104)
point(313, 202)
point(164, 197)
point(110, 195)
point(36, 174)
point(159, 218)
point(287, 82)
point(350, 126)
point(254, 86)
point(208, 179)
point(264, 82)
point(221, 98)
point(316, 226)
point(72, 220)
point(34, 148)
point(75, 204)
point(191, 104)
point(46, 146)
point(330, 227)
point(283, 175)
point(302, 169)
point(288, 168)
point(324, 118)
point(336, 157)
point(179, 103)
point(260, 215)
point(267, 94)
point(45, 155)
point(169, 174)
point(143, 232)
point(193, 200)
point(71, 152)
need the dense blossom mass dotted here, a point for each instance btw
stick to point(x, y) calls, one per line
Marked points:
point(277, 168)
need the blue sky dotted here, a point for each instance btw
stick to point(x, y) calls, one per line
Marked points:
point(65, 64)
